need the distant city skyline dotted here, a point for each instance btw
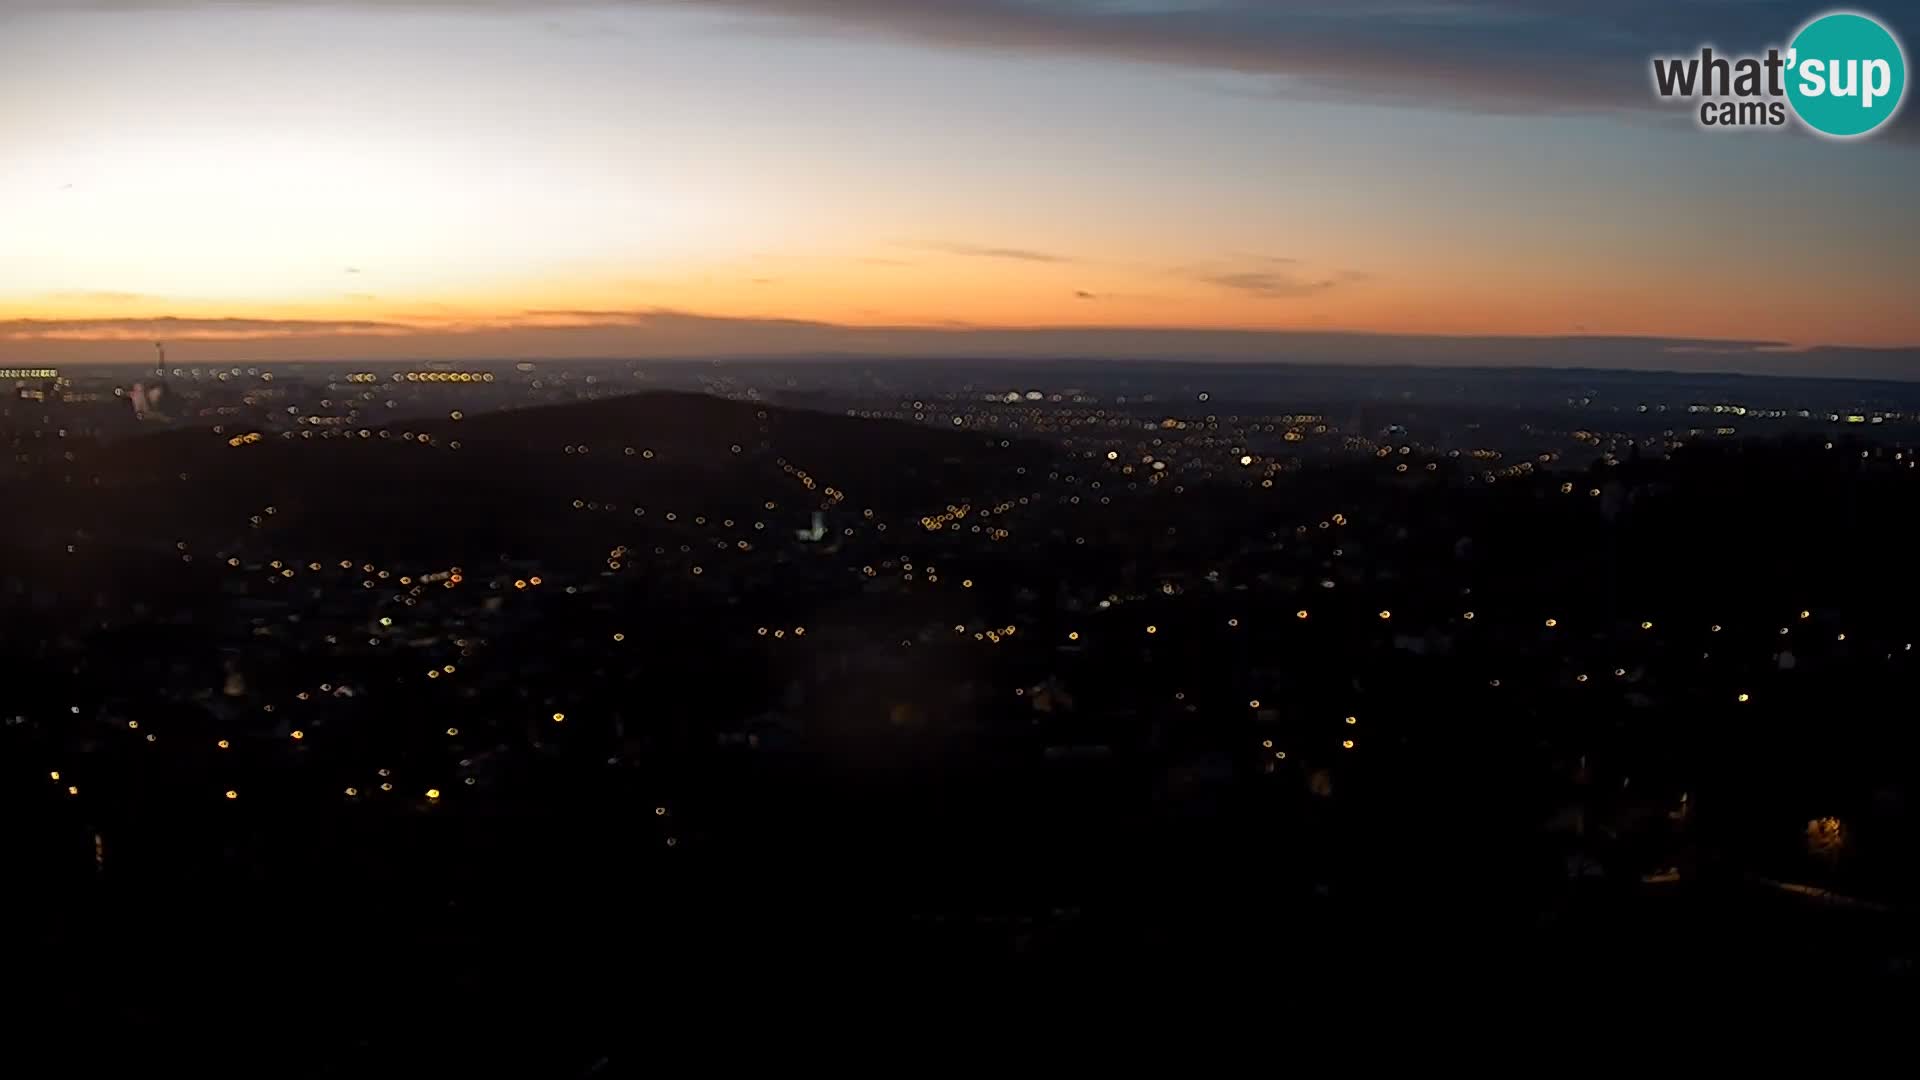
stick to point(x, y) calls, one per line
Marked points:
point(359, 179)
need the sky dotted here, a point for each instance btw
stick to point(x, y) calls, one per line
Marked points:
point(435, 178)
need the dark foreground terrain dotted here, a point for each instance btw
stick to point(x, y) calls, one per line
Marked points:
point(520, 736)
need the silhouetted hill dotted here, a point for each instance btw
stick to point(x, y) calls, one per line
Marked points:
point(501, 482)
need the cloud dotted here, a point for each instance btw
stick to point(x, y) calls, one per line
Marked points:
point(1016, 254)
point(98, 296)
point(644, 335)
point(1497, 56)
point(1082, 294)
point(648, 334)
point(1502, 55)
point(1267, 285)
point(1261, 276)
point(174, 328)
point(584, 317)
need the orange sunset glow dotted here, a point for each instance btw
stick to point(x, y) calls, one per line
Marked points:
point(371, 179)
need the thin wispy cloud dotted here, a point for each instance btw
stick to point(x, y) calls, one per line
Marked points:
point(667, 333)
point(586, 316)
point(1268, 285)
point(189, 328)
point(1269, 277)
point(1016, 254)
point(99, 296)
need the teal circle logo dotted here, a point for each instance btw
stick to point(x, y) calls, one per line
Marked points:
point(1846, 74)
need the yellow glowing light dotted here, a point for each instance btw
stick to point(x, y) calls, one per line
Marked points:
point(386, 620)
point(352, 791)
point(1346, 744)
point(223, 744)
point(967, 584)
point(1468, 616)
point(1073, 635)
point(533, 581)
point(619, 637)
point(433, 793)
point(1743, 697)
point(231, 794)
point(453, 731)
point(1646, 626)
point(1280, 755)
point(72, 789)
point(1267, 743)
point(54, 775)
point(1385, 614)
point(659, 811)
point(1153, 629)
point(1551, 623)
point(559, 717)
point(386, 786)
point(1806, 614)
point(1353, 719)
point(1302, 613)
point(298, 735)
point(1579, 678)
point(1254, 704)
